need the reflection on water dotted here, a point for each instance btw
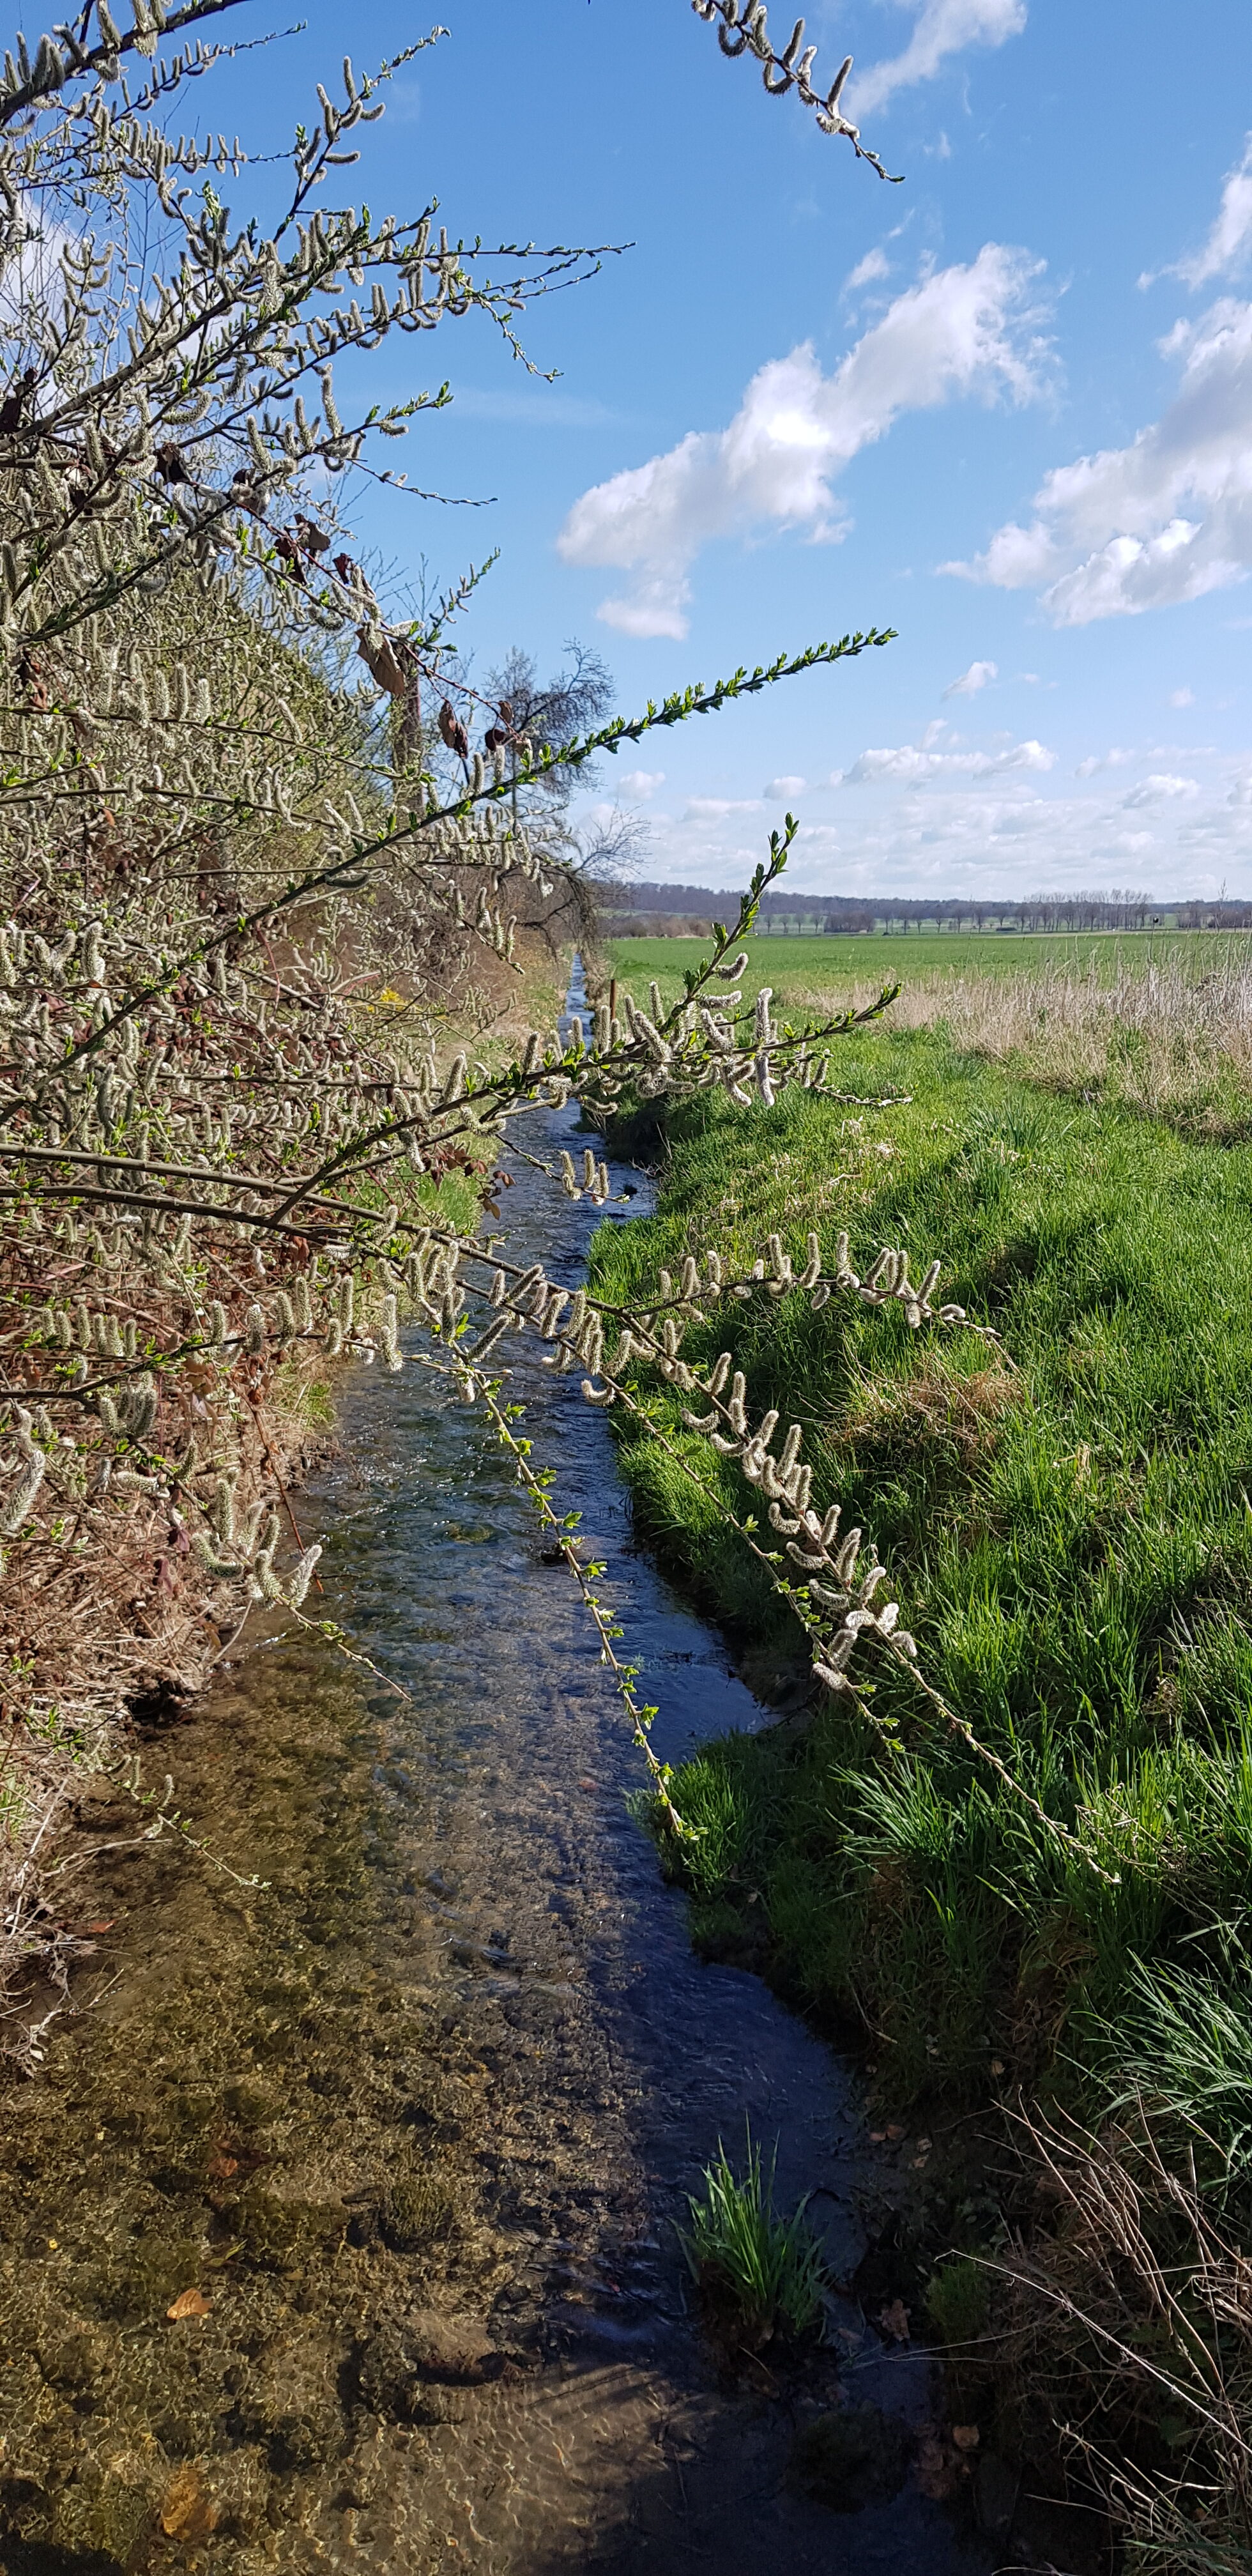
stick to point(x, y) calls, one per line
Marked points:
point(411, 2126)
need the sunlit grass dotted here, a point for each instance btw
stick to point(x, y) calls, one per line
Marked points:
point(1072, 1546)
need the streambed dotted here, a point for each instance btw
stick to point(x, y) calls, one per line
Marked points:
point(404, 2134)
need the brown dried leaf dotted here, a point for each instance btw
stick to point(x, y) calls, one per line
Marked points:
point(190, 2303)
point(895, 2321)
point(187, 2509)
point(966, 2436)
point(935, 2470)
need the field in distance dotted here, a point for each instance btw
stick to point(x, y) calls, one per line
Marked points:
point(820, 965)
point(1159, 1023)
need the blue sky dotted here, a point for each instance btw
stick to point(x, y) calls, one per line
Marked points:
point(1005, 408)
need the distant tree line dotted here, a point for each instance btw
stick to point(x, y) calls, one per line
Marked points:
point(684, 910)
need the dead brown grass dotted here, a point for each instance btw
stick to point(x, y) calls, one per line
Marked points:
point(1133, 2306)
point(1160, 1037)
point(937, 1406)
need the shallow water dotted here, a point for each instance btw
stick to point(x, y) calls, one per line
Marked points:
point(415, 2121)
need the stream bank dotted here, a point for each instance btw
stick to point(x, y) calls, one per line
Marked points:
point(400, 2138)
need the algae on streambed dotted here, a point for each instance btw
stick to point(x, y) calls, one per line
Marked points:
point(277, 2122)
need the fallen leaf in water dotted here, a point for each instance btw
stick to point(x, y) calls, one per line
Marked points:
point(966, 2436)
point(189, 2303)
point(935, 2469)
point(187, 2509)
point(895, 2321)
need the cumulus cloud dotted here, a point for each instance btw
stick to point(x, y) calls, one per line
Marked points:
point(964, 330)
point(1162, 788)
point(641, 782)
point(1230, 239)
point(780, 790)
point(943, 27)
point(948, 833)
point(971, 681)
point(917, 761)
point(1166, 519)
point(1098, 760)
point(1182, 697)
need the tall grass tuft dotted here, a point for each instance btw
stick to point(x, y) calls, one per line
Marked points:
point(741, 2253)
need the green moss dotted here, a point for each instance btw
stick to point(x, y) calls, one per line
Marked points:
point(958, 2300)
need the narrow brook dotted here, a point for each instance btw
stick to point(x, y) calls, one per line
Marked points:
point(413, 2123)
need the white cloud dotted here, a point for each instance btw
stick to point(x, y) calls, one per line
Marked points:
point(1162, 788)
point(963, 330)
point(641, 782)
point(875, 264)
point(917, 761)
point(1167, 518)
point(985, 836)
point(943, 27)
point(1096, 761)
point(971, 681)
point(1182, 697)
point(949, 833)
point(780, 790)
point(1230, 238)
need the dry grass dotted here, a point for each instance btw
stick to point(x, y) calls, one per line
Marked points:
point(938, 1406)
point(1160, 1038)
point(1137, 2307)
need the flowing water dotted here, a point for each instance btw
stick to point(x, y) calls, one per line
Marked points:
point(403, 2135)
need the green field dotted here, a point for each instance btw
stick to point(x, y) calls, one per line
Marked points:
point(793, 967)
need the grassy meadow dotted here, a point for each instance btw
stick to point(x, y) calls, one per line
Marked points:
point(1069, 1529)
point(805, 965)
point(1159, 1022)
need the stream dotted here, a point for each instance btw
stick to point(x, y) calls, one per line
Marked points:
point(403, 2135)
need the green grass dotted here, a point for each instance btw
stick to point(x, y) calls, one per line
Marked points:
point(799, 966)
point(1071, 1545)
point(739, 2251)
